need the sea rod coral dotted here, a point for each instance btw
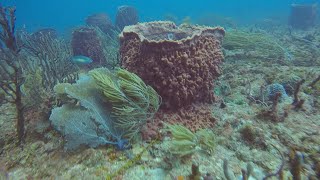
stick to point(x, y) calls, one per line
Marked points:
point(11, 78)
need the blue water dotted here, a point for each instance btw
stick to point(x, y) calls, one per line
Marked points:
point(63, 15)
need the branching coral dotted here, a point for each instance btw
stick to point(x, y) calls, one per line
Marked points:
point(297, 102)
point(11, 78)
point(7, 22)
point(47, 55)
point(272, 113)
point(184, 142)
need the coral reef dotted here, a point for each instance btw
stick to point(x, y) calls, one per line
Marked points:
point(103, 108)
point(48, 57)
point(181, 63)
point(194, 117)
point(251, 132)
point(126, 15)
point(46, 62)
point(42, 159)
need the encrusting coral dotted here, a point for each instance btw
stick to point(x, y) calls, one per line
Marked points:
point(180, 63)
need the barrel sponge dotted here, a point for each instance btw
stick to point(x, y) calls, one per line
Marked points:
point(179, 62)
point(86, 42)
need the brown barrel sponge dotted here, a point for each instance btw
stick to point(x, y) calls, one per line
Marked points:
point(179, 62)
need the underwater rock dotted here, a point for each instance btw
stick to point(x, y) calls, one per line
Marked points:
point(102, 21)
point(126, 15)
point(179, 62)
point(85, 42)
point(303, 16)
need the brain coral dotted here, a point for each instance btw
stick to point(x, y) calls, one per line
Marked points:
point(179, 62)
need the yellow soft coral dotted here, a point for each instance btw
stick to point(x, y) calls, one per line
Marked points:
point(132, 101)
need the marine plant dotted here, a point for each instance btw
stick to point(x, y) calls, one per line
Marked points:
point(104, 107)
point(110, 45)
point(47, 56)
point(133, 102)
point(261, 45)
point(272, 112)
point(298, 102)
point(184, 142)
point(33, 89)
point(11, 77)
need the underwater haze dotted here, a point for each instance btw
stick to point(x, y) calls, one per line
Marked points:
point(62, 15)
point(160, 89)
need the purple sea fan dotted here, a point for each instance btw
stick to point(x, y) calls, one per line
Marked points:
point(87, 122)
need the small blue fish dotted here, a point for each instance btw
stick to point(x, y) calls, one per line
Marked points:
point(81, 60)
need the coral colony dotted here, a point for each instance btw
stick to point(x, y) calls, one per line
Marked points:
point(161, 100)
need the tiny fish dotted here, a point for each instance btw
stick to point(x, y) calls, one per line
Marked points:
point(81, 60)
